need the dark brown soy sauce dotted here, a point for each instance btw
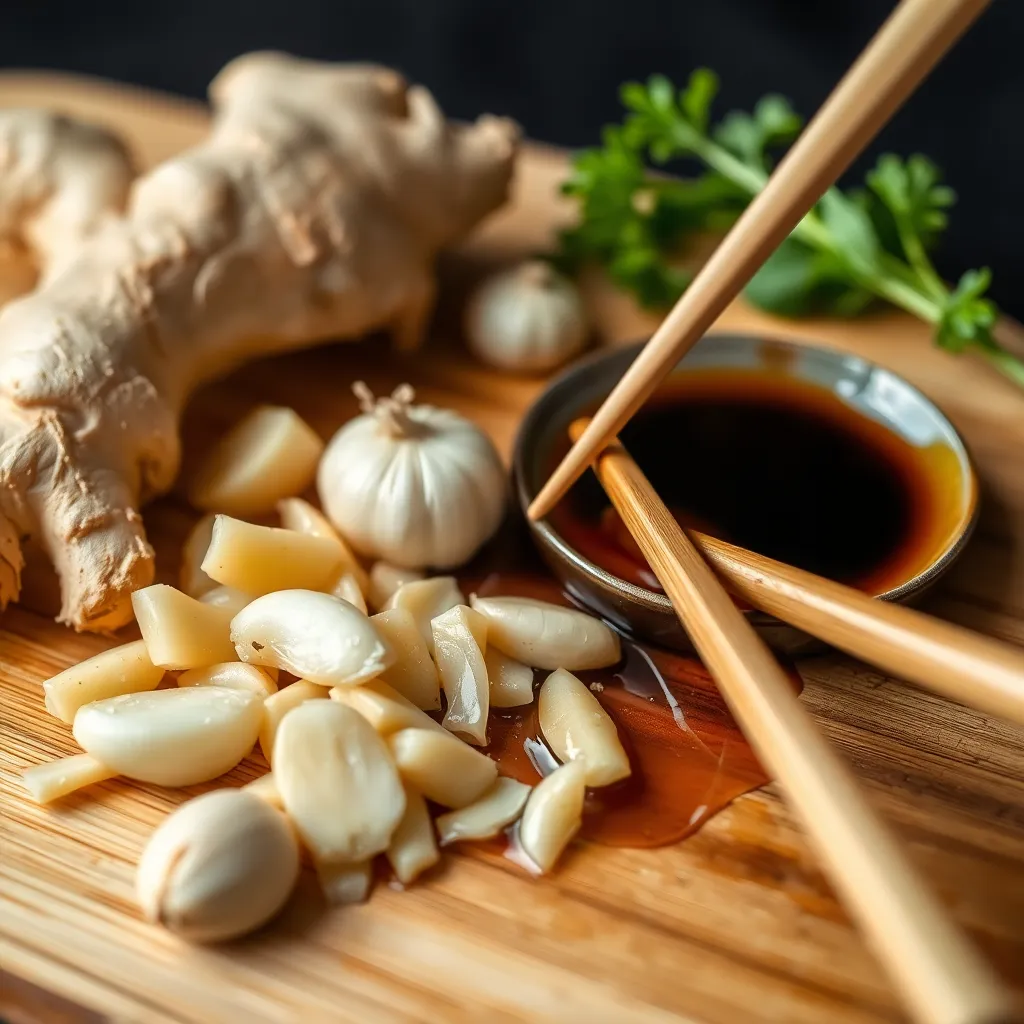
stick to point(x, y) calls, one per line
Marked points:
point(780, 467)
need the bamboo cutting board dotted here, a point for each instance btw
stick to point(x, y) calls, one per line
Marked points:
point(735, 924)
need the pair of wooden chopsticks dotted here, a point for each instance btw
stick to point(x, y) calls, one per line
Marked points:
point(940, 975)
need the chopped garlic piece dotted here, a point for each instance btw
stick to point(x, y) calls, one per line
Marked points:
point(124, 669)
point(384, 708)
point(426, 599)
point(191, 578)
point(460, 638)
point(441, 766)
point(345, 883)
point(511, 681)
point(413, 672)
point(171, 737)
point(232, 674)
point(413, 847)
point(385, 579)
point(271, 454)
point(575, 725)
point(299, 515)
point(54, 779)
point(181, 632)
point(544, 635)
point(495, 810)
point(338, 782)
point(553, 814)
point(261, 559)
point(277, 706)
point(314, 636)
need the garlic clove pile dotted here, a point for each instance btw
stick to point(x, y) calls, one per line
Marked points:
point(413, 672)
point(544, 635)
point(553, 814)
point(460, 638)
point(495, 810)
point(233, 675)
point(218, 867)
point(315, 636)
point(410, 484)
point(171, 737)
point(441, 766)
point(529, 319)
point(425, 600)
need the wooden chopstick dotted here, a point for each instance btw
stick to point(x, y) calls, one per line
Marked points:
point(904, 50)
point(949, 660)
point(937, 971)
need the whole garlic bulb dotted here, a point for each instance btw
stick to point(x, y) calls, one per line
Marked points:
point(527, 319)
point(411, 484)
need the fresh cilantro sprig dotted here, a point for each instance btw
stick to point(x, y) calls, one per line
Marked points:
point(853, 249)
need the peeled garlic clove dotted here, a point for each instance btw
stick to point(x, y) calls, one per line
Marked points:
point(277, 706)
point(553, 814)
point(181, 632)
point(171, 737)
point(191, 578)
point(124, 669)
point(385, 579)
point(234, 676)
point(413, 847)
point(299, 515)
point(338, 782)
point(511, 681)
point(426, 599)
point(383, 707)
point(575, 725)
point(495, 810)
point(413, 672)
point(54, 779)
point(261, 559)
point(271, 454)
point(345, 883)
point(459, 636)
point(549, 636)
point(226, 597)
point(315, 636)
point(347, 589)
point(266, 789)
point(221, 865)
point(442, 767)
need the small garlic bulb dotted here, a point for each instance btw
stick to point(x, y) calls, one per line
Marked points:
point(411, 484)
point(528, 319)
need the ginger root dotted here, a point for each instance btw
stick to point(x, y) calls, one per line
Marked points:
point(313, 212)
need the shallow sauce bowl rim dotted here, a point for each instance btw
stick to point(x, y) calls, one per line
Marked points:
point(531, 431)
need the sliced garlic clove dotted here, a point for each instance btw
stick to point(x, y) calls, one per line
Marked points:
point(171, 737)
point(299, 515)
point(338, 782)
point(495, 810)
point(442, 767)
point(511, 681)
point(261, 559)
point(54, 779)
point(549, 636)
point(271, 454)
point(553, 814)
point(181, 632)
point(233, 675)
point(277, 706)
point(346, 588)
point(343, 884)
point(413, 847)
point(426, 599)
point(315, 636)
point(226, 597)
point(385, 579)
point(219, 866)
point(124, 669)
point(191, 578)
point(384, 708)
point(266, 789)
point(413, 672)
point(574, 725)
point(460, 636)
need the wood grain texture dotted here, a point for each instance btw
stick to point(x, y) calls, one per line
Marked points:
point(735, 924)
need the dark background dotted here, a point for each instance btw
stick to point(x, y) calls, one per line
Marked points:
point(555, 66)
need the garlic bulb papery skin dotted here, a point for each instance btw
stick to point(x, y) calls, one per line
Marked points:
point(411, 484)
point(527, 320)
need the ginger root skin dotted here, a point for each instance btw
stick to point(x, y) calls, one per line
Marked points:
point(314, 211)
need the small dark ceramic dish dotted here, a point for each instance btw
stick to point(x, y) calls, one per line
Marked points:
point(868, 389)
